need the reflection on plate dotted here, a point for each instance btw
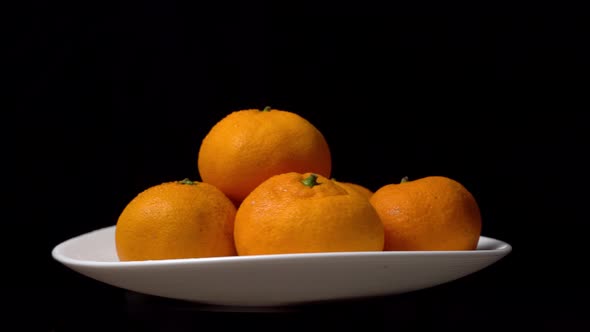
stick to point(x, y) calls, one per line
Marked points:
point(271, 280)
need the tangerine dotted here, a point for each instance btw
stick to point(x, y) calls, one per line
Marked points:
point(358, 187)
point(248, 146)
point(304, 213)
point(430, 213)
point(179, 219)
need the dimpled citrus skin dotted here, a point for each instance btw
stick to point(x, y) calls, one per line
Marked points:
point(431, 213)
point(248, 146)
point(282, 216)
point(360, 188)
point(174, 220)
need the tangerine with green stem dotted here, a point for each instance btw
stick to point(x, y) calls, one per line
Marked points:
point(177, 219)
point(306, 213)
point(430, 213)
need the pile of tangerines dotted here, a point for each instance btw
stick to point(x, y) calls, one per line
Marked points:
point(266, 188)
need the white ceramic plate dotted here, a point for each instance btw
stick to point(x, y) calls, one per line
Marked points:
point(271, 280)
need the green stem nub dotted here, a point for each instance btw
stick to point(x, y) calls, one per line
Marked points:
point(310, 181)
point(187, 181)
point(405, 179)
point(267, 109)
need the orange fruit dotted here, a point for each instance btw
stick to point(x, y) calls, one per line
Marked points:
point(248, 146)
point(180, 219)
point(305, 213)
point(431, 213)
point(360, 188)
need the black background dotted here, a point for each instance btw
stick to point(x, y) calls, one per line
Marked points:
point(112, 98)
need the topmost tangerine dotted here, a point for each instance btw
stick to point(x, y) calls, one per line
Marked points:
point(248, 146)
